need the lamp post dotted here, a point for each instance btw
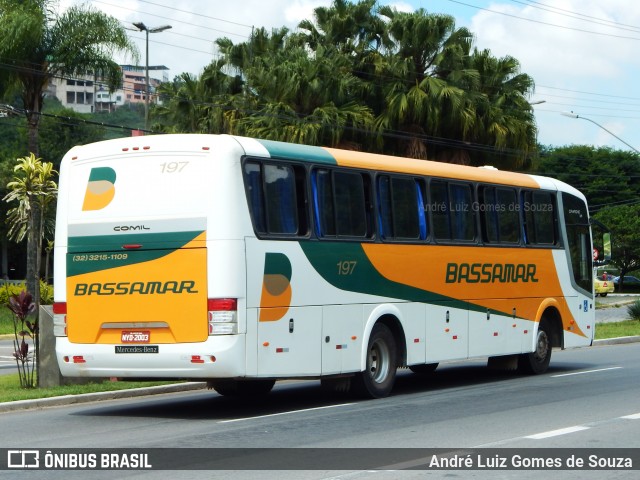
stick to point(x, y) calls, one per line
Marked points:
point(143, 28)
point(575, 115)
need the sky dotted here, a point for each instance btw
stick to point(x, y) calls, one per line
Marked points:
point(583, 55)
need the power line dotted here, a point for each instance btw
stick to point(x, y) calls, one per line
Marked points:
point(540, 22)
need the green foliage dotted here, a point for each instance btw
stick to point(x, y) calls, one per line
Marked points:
point(624, 223)
point(364, 77)
point(61, 129)
point(9, 289)
point(79, 40)
point(607, 177)
point(628, 328)
point(634, 310)
point(10, 390)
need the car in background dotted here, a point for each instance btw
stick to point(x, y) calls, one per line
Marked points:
point(630, 282)
point(603, 287)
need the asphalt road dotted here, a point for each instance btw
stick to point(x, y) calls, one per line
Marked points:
point(587, 399)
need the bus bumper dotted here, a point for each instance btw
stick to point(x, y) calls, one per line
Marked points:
point(221, 356)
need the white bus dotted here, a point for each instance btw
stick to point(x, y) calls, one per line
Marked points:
point(243, 261)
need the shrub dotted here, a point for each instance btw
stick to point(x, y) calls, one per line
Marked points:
point(9, 289)
point(634, 310)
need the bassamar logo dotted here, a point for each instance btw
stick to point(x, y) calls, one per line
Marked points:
point(100, 189)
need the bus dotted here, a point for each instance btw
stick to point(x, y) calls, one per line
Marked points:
point(240, 261)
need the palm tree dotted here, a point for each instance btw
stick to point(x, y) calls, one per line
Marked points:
point(419, 94)
point(205, 104)
point(292, 94)
point(37, 44)
point(504, 117)
point(34, 189)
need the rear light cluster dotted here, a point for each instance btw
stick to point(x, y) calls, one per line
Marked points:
point(223, 316)
point(60, 319)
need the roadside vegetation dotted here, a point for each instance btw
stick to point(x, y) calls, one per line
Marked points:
point(11, 391)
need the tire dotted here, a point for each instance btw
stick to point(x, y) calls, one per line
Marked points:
point(424, 369)
point(537, 361)
point(603, 294)
point(377, 380)
point(242, 388)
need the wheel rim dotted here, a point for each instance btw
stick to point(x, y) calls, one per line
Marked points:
point(542, 346)
point(378, 361)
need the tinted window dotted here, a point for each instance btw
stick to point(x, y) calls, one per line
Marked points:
point(401, 208)
point(451, 208)
point(499, 213)
point(540, 218)
point(341, 203)
point(276, 198)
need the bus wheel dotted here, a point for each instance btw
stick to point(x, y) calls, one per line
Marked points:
point(538, 360)
point(380, 371)
point(424, 369)
point(242, 388)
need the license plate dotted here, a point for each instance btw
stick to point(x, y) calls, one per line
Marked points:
point(129, 336)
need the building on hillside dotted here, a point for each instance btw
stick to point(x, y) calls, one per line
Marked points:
point(88, 93)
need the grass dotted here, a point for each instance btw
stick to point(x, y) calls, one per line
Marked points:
point(627, 328)
point(11, 391)
point(6, 320)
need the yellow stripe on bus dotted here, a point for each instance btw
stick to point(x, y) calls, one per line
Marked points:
point(348, 158)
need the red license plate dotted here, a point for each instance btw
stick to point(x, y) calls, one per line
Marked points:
point(129, 336)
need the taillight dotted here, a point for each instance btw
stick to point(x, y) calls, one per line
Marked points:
point(223, 316)
point(60, 319)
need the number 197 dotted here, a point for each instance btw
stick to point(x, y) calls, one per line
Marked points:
point(346, 267)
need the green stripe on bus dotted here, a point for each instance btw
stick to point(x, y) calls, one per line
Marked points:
point(347, 267)
point(289, 151)
point(109, 243)
point(103, 252)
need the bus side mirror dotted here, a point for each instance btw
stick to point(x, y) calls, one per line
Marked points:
point(606, 242)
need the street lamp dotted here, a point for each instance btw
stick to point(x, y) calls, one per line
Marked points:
point(143, 28)
point(575, 115)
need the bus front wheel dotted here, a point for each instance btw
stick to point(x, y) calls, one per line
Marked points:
point(377, 380)
point(538, 361)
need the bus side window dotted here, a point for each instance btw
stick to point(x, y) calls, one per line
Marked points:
point(341, 203)
point(401, 208)
point(276, 198)
point(281, 204)
point(255, 195)
point(499, 214)
point(440, 210)
point(539, 217)
point(350, 204)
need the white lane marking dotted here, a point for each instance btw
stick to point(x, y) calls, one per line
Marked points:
point(285, 413)
point(635, 416)
point(555, 433)
point(586, 371)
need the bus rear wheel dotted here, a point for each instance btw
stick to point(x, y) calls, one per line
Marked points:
point(538, 361)
point(242, 388)
point(377, 380)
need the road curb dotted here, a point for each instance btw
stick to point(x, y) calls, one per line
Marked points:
point(98, 396)
point(617, 340)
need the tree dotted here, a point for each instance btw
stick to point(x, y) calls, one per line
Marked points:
point(35, 190)
point(624, 223)
point(296, 96)
point(37, 43)
point(607, 177)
